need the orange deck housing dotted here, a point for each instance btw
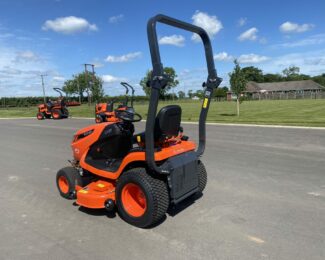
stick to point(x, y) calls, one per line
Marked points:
point(95, 194)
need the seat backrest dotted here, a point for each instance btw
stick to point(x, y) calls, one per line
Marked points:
point(109, 107)
point(168, 121)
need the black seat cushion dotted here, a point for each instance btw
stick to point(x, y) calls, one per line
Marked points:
point(167, 124)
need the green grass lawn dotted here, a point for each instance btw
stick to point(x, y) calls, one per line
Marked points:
point(282, 112)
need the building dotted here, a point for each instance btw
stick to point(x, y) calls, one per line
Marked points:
point(282, 90)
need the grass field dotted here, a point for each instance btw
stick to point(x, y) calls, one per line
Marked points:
point(280, 112)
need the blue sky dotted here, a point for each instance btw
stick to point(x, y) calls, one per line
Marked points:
point(56, 36)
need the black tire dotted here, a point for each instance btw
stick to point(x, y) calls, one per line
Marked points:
point(65, 113)
point(40, 116)
point(58, 112)
point(156, 194)
point(73, 178)
point(202, 175)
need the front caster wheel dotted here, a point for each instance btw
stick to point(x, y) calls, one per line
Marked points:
point(66, 180)
point(141, 199)
point(40, 116)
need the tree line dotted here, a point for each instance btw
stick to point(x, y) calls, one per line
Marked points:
point(90, 86)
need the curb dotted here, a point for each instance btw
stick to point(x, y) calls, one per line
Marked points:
point(209, 124)
point(234, 124)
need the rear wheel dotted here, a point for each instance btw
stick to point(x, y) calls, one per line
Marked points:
point(40, 116)
point(202, 175)
point(56, 114)
point(65, 112)
point(141, 199)
point(66, 180)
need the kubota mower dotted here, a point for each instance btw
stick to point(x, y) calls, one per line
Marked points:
point(104, 112)
point(141, 175)
point(57, 109)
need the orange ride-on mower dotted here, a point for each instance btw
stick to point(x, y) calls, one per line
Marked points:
point(141, 175)
point(104, 112)
point(57, 109)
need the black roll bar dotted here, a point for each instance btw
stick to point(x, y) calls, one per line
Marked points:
point(125, 84)
point(60, 91)
point(126, 94)
point(159, 81)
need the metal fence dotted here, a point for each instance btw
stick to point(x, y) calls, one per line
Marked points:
point(315, 94)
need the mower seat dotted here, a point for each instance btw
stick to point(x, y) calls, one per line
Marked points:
point(167, 125)
point(109, 107)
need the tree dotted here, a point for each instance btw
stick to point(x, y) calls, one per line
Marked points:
point(220, 93)
point(320, 79)
point(181, 94)
point(190, 93)
point(237, 82)
point(80, 82)
point(199, 93)
point(172, 82)
point(253, 74)
point(272, 77)
point(291, 71)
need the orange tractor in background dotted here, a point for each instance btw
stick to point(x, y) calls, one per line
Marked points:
point(56, 109)
point(104, 112)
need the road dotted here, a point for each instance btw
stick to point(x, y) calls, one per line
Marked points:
point(265, 199)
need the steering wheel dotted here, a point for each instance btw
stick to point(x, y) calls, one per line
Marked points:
point(128, 116)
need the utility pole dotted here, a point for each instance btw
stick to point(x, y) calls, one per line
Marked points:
point(78, 85)
point(87, 81)
point(42, 77)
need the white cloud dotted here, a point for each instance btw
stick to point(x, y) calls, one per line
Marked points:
point(98, 64)
point(209, 23)
point(252, 58)
point(289, 27)
point(69, 25)
point(223, 56)
point(20, 69)
point(311, 63)
point(311, 40)
point(242, 21)
point(250, 34)
point(176, 40)
point(26, 56)
point(116, 18)
point(123, 58)
point(58, 78)
point(111, 79)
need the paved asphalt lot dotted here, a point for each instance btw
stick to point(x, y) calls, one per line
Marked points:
point(265, 199)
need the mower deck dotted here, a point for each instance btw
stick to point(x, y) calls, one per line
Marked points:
point(95, 194)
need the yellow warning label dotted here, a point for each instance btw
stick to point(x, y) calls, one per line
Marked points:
point(100, 185)
point(138, 138)
point(205, 103)
point(83, 191)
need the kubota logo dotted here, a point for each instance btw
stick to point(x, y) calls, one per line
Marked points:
point(76, 150)
point(180, 150)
